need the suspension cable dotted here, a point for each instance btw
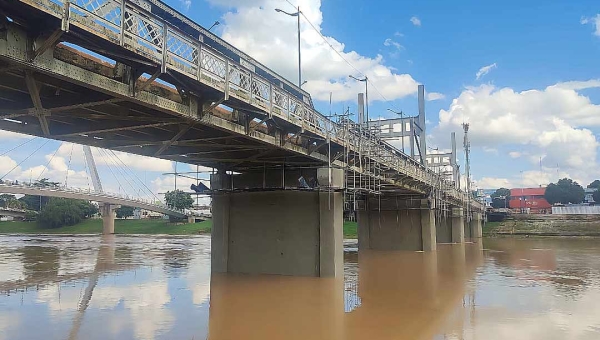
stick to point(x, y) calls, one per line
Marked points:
point(120, 171)
point(26, 158)
point(69, 165)
point(134, 175)
point(110, 169)
point(50, 160)
point(18, 146)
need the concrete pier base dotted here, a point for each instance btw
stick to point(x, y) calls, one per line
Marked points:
point(393, 224)
point(107, 211)
point(458, 226)
point(297, 233)
point(476, 227)
point(443, 229)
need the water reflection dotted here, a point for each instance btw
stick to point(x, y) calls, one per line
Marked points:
point(161, 288)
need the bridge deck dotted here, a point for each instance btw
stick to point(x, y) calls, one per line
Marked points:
point(65, 94)
point(88, 195)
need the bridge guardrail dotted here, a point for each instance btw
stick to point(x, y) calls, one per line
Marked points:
point(93, 193)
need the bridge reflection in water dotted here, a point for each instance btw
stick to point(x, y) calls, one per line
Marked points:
point(161, 288)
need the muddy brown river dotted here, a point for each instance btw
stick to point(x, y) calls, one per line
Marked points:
point(124, 287)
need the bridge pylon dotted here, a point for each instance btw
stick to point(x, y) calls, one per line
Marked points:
point(107, 211)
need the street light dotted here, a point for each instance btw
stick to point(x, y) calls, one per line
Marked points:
point(402, 130)
point(366, 81)
point(297, 14)
point(217, 23)
point(304, 82)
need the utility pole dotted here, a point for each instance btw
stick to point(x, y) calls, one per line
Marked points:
point(467, 146)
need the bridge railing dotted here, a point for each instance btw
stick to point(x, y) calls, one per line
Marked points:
point(131, 25)
point(90, 192)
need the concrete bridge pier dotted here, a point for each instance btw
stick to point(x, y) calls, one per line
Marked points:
point(458, 225)
point(276, 231)
point(397, 224)
point(107, 211)
point(476, 227)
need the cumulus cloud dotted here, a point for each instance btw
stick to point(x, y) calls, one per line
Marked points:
point(257, 29)
point(484, 70)
point(594, 21)
point(553, 123)
point(415, 21)
point(431, 96)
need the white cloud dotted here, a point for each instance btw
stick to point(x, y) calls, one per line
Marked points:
point(490, 150)
point(515, 154)
point(415, 21)
point(186, 4)
point(398, 34)
point(389, 42)
point(485, 70)
point(493, 183)
point(7, 164)
point(431, 96)
point(594, 21)
point(12, 135)
point(552, 123)
point(255, 27)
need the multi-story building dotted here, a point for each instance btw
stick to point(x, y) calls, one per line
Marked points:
point(529, 200)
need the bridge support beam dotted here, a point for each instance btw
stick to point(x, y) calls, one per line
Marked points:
point(296, 233)
point(107, 211)
point(396, 224)
point(458, 225)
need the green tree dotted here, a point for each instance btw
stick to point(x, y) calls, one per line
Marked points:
point(179, 199)
point(500, 198)
point(596, 196)
point(124, 212)
point(565, 191)
point(595, 184)
point(30, 215)
point(61, 212)
point(36, 203)
point(10, 201)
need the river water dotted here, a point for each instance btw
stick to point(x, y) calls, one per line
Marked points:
point(123, 287)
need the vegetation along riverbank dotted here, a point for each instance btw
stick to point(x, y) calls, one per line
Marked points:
point(545, 225)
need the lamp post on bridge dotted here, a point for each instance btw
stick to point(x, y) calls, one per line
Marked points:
point(297, 14)
point(401, 113)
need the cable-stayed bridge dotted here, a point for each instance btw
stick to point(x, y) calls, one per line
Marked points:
point(165, 87)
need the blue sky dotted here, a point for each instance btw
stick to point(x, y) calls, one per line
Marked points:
point(539, 98)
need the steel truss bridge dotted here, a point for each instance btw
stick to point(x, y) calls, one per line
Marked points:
point(51, 86)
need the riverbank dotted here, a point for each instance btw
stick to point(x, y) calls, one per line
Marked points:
point(545, 225)
point(94, 226)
